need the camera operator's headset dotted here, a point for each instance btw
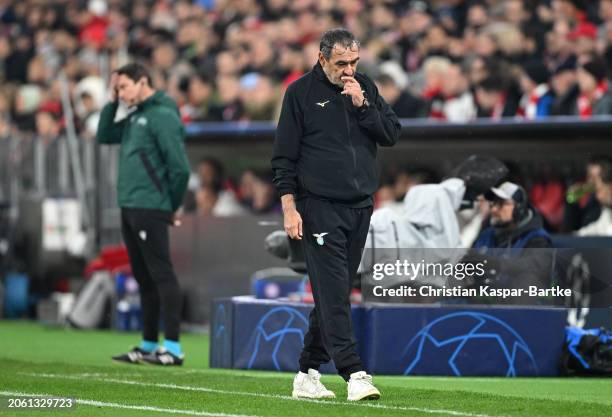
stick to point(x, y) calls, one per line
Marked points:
point(521, 204)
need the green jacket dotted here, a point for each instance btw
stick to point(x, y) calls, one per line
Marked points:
point(153, 166)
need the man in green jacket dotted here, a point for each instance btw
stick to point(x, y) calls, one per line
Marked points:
point(153, 176)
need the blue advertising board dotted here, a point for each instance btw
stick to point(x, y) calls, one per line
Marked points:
point(247, 333)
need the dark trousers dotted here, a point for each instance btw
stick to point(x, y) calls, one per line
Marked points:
point(332, 262)
point(145, 233)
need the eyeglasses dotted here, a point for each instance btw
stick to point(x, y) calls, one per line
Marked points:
point(500, 203)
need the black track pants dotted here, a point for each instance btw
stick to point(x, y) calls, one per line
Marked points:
point(145, 233)
point(332, 261)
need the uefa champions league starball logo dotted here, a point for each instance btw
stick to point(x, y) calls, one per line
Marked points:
point(282, 329)
point(459, 343)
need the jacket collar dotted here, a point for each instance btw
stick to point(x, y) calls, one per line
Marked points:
point(318, 70)
point(154, 98)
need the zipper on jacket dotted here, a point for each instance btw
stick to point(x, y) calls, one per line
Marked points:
point(348, 132)
point(150, 170)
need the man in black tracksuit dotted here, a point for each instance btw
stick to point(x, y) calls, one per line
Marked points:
point(152, 181)
point(325, 170)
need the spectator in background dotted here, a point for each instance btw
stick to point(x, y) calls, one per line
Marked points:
point(257, 192)
point(229, 62)
point(509, 40)
point(484, 44)
point(204, 200)
point(48, 126)
point(226, 105)
point(565, 86)
point(477, 17)
point(19, 55)
point(259, 96)
point(435, 69)
point(604, 104)
point(495, 99)
point(264, 196)
point(605, 11)
point(211, 201)
point(245, 187)
point(309, 53)
point(517, 13)
point(458, 106)
point(434, 72)
point(537, 96)
point(404, 104)
point(593, 86)
point(413, 23)
point(575, 11)
point(583, 41)
point(477, 70)
point(27, 100)
point(582, 207)
point(212, 194)
point(89, 95)
point(603, 225)
point(604, 31)
point(558, 48)
point(90, 115)
point(393, 193)
point(291, 64)
point(163, 58)
point(435, 41)
point(261, 57)
point(199, 93)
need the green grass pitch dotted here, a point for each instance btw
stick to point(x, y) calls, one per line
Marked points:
point(39, 360)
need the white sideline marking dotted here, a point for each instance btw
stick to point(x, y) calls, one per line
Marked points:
point(127, 406)
point(256, 394)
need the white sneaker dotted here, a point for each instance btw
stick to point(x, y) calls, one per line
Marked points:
point(360, 387)
point(309, 386)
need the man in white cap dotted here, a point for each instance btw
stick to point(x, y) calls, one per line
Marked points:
point(515, 247)
point(514, 223)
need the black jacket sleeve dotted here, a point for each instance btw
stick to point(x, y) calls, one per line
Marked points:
point(378, 119)
point(287, 144)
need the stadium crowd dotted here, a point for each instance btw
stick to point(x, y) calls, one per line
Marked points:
point(230, 60)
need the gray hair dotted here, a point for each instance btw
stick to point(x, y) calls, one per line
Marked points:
point(337, 36)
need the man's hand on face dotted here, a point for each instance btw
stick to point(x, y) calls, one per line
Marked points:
point(353, 88)
point(113, 86)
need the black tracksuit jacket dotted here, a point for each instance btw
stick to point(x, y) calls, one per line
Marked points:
point(325, 147)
